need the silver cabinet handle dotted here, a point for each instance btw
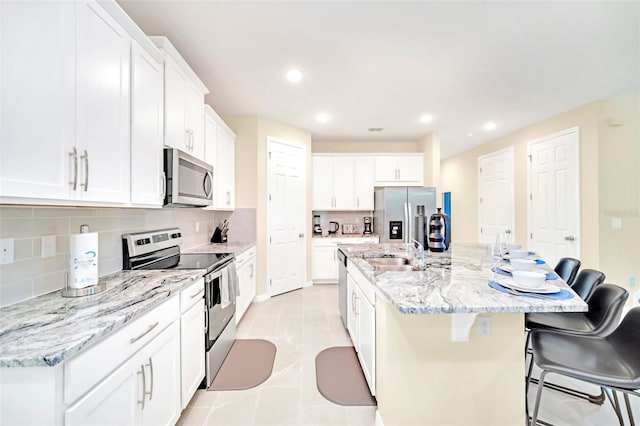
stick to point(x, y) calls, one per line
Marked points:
point(85, 157)
point(187, 142)
point(353, 301)
point(356, 307)
point(570, 238)
point(151, 327)
point(163, 179)
point(358, 201)
point(150, 393)
point(228, 197)
point(74, 182)
point(144, 385)
point(251, 273)
point(193, 296)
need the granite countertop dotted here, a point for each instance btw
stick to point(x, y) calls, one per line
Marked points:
point(338, 235)
point(235, 248)
point(50, 329)
point(455, 281)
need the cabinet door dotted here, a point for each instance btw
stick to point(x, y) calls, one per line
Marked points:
point(147, 177)
point(191, 351)
point(363, 183)
point(343, 183)
point(161, 361)
point(322, 183)
point(115, 401)
point(410, 169)
point(194, 120)
point(352, 318)
point(247, 278)
point(366, 313)
point(175, 134)
point(211, 144)
point(226, 171)
point(324, 263)
point(37, 94)
point(102, 105)
point(386, 168)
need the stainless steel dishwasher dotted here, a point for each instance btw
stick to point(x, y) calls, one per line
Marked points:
point(342, 286)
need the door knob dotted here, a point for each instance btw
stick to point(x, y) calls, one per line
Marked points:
point(300, 235)
point(507, 231)
point(570, 238)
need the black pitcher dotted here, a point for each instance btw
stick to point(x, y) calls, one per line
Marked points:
point(439, 238)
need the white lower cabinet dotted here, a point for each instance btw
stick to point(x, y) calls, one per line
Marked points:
point(246, 269)
point(324, 257)
point(192, 365)
point(143, 391)
point(361, 322)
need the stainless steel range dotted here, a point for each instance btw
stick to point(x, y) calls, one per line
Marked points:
point(160, 250)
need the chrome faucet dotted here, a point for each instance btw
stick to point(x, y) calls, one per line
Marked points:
point(420, 248)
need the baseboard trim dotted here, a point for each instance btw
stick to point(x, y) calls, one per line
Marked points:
point(378, 419)
point(261, 298)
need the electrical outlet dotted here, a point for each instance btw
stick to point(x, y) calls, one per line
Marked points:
point(197, 226)
point(632, 281)
point(48, 246)
point(484, 325)
point(6, 251)
point(616, 223)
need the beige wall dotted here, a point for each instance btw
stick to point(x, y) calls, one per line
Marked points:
point(251, 178)
point(610, 183)
point(430, 147)
point(365, 147)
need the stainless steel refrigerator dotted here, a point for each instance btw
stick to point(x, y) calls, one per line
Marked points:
point(396, 209)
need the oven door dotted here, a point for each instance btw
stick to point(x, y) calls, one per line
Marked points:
point(220, 304)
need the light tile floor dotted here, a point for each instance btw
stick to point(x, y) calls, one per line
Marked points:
point(301, 324)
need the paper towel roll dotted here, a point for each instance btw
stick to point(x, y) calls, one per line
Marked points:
point(83, 258)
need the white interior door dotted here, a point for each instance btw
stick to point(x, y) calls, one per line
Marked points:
point(554, 204)
point(287, 214)
point(495, 188)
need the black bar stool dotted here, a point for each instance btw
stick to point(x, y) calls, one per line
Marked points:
point(611, 361)
point(567, 269)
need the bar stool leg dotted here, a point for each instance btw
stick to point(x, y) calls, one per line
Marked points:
point(534, 418)
point(613, 398)
point(629, 413)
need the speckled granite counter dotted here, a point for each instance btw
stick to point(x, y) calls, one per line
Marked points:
point(49, 329)
point(455, 281)
point(235, 248)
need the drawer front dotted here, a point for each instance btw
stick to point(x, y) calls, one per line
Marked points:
point(191, 295)
point(87, 369)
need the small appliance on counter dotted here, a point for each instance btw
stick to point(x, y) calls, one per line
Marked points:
point(439, 235)
point(368, 222)
point(82, 279)
point(220, 233)
point(317, 229)
point(349, 228)
point(333, 227)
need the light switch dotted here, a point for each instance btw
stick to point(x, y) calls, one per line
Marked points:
point(616, 223)
point(6, 251)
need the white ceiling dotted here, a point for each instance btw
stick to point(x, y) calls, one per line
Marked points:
point(383, 64)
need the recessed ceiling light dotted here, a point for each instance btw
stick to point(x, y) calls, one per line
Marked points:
point(469, 134)
point(490, 125)
point(294, 75)
point(323, 117)
point(426, 118)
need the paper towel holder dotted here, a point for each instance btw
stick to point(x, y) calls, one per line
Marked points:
point(81, 292)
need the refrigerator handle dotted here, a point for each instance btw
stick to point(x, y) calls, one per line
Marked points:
point(409, 223)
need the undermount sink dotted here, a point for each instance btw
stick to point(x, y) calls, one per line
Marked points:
point(388, 261)
point(402, 267)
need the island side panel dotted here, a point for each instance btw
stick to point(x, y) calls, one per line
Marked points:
point(425, 379)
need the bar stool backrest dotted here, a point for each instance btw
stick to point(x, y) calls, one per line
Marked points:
point(605, 308)
point(567, 269)
point(586, 281)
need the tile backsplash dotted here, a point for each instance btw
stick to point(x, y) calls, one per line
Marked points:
point(31, 274)
point(341, 217)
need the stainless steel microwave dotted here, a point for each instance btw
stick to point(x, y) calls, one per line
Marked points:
point(189, 180)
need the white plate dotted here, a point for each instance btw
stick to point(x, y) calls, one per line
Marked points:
point(508, 268)
point(530, 257)
point(546, 288)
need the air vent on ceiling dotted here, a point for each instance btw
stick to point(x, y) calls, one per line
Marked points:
point(376, 129)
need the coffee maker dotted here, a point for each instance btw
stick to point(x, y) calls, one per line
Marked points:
point(317, 230)
point(368, 222)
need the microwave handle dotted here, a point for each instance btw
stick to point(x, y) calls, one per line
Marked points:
point(207, 184)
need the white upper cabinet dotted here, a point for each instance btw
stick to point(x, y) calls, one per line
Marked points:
point(147, 176)
point(74, 80)
point(102, 105)
point(342, 182)
point(220, 151)
point(363, 182)
point(399, 170)
point(183, 102)
point(37, 95)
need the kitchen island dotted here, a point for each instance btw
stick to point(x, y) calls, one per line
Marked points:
point(432, 365)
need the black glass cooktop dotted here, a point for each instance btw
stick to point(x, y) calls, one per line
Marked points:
point(208, 261)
